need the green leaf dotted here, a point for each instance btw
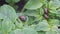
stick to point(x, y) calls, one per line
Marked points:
point(51, 32)
point(33, 26)
point(13, 26)
point(41, 11)
point(33, 4)
point(7, 12)
point(1, 32)
point(19, 25)
point(17, 31)
point(42, 26)
point(41, 32)
point(54, 22)
point(30, 20)
point(2, 16)
point(34, 13)
point(0, 24)
point(29, 31)
point(1, 27)
point(25, 30)
point(54, 28)
point(57, 12)
point(56, 3)
point(51, 6)
point(6, 26)
point(13, 1)
point(58, 31)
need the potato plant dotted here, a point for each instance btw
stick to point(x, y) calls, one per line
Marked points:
point(36, 17)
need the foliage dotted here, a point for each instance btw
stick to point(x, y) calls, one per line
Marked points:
point(36, 17)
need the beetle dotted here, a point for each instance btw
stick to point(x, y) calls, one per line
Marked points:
point(46, 10)
point(46, 16)
point(23, 18)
